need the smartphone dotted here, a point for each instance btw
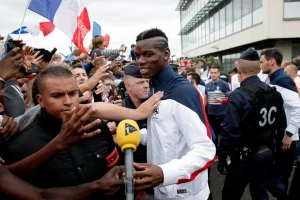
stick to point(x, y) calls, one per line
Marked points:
point(10, 46)
point(34, 69)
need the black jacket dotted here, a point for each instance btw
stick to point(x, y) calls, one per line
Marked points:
point(83, 162)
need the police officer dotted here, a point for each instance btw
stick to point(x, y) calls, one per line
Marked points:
point(254, 118)
point(137, 88)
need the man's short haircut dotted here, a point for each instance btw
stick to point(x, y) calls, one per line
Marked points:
point(292, 68)
point(78, 65)
point(195, 77)
point(107, 77)
point(153, 33)
point(249, 67)
point(273, 53)
point(55, 72)
point(214, 67)
point(190, 70)
point(296, 61)
point(201, 60)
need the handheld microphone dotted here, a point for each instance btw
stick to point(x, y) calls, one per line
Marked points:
point(128, 138)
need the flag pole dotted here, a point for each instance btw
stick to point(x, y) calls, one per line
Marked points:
point(24, 18)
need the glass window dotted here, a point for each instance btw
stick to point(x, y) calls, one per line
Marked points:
point(237, 9)
point(222, 17)
point(295, 49)
point(229, 17)
point(291, 10)
point(207, 39)
point(246, 7)
point(211, 23)
point(257, 4)
point(217, 21)
point(257, 16)
point(222, 32)
point(207, 27)
point(247, 21)
point(217, 35)
point(237, 25)
point(203, 33)
point(229, 29)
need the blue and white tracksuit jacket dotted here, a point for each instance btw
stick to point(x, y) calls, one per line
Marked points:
point(179, 139)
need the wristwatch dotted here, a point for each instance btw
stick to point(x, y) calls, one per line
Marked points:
point(289, 134)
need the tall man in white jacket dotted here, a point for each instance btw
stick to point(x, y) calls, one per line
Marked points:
point(179, 140)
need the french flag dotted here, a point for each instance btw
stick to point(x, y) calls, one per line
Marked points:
point(45, 27)
point(70, 16)
point(97, 30)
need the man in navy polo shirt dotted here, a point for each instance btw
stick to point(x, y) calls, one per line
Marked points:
point(217, 88)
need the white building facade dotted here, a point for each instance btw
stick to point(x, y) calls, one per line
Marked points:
point(225, 28)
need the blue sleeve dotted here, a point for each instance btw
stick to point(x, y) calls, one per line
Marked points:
point(88, 67)
point(202, 82)
point(192, 100)
point(225, 88)
point(206, 86)
point(286, 83)
point(238, 107)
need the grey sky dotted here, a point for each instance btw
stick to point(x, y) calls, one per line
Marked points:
point(121, 19)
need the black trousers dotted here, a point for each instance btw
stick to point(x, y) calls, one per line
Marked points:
point(253, 171)
point(216, 122)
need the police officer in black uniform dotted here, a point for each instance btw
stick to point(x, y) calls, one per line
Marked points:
point(254, 118)
point(136, 86)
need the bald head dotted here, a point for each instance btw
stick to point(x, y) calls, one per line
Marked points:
point(291, 70)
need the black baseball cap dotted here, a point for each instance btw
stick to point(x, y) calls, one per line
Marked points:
point(133, 70)
point(250, 54)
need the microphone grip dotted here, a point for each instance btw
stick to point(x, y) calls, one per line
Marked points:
point(129, 184)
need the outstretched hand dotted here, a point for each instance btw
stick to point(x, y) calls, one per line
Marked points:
point(146, 108)
point(73, 129)
point(11, 64)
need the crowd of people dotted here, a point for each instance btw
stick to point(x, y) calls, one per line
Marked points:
point(58, 124)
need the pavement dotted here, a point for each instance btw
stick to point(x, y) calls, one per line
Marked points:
point(217, 183)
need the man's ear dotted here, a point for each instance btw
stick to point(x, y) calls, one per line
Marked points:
point(39, 99)
point(167, 53)
point(127, 86)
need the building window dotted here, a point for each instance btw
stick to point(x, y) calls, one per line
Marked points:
point(246, 13)
point(222, 23)
point(217, 25)
point(237, 15)
point(222, 18)
point(291, 9)
point(229, 19)
point(295, 49)
point(211, 29)
point(237, 9)
point(257, 16)
point(257, 4)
